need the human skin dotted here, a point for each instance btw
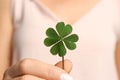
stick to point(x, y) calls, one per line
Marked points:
point(6, 32)
point(31, 69)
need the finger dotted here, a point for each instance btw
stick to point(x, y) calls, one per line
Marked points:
point(27, 77)
point(36, 68)
point(67, 65)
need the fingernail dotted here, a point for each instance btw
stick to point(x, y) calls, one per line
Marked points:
point(66, 77)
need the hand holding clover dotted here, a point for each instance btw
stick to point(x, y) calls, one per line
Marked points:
point(61, 39)
point(32, 69)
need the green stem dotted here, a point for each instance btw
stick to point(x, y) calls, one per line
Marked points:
point(63, 62)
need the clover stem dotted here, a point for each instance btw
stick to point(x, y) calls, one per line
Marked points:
point(63, 62)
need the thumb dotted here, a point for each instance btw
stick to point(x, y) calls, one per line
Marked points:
point(67, 65)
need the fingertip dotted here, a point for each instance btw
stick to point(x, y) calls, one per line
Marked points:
point(67, 65)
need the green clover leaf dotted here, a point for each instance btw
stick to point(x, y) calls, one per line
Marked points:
point(60, 39)
point(63, 29)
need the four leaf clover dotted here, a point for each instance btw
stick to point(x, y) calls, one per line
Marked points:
point(59, 39)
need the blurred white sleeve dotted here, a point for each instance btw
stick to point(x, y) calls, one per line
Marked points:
point(17, 9)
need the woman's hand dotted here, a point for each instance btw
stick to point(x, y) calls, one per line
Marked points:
point(31, 69)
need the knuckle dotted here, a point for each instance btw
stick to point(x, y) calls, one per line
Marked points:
point(24, 65)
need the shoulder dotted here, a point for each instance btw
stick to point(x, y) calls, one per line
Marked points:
point(22, 9)
point(16, 9)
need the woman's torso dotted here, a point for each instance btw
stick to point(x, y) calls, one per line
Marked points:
point(94, 57)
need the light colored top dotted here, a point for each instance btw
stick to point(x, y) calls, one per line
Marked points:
point(98, 30)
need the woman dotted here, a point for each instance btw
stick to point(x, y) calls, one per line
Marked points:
point(95, 21)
